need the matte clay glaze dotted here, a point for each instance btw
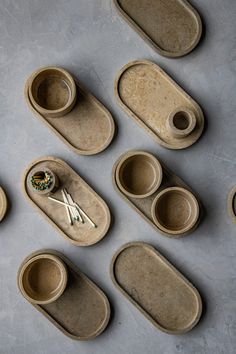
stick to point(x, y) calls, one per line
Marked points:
point(173, 28)
point(43, 279)
point(3, 204)
point(159, 105)
point(144, 206)
point(84, 124)
point(163, 295)
point(78, 234)
point(82, 312)
point(231, 204)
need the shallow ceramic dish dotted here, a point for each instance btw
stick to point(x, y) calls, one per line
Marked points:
point(82, 312)
point(78, 234)
point(162, 294)
point(173, 28)
point(84, 124)
point(3, 204)
point(159, 105)
point(146, 206)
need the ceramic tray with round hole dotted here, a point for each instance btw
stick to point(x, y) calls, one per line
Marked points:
point(87, 129)
point(162, 294)
point(151, 98)
point(3, 204)
point(173, 28)
point(144, 205)
point(231, 204)
point(78, 234)
point(82, 312)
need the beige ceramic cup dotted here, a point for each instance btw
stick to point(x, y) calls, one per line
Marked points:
point(43, 279)
point(138, 174)
point(40, 172)
point(52, 91)
point(181, 122)
point(175, 211)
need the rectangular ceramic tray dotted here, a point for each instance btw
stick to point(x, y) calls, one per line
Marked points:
point(143, 205)
point(162, 294)
point(149, 96)
point(88, 129)
point(173, 28)
point(78, 234)
point(82, 312)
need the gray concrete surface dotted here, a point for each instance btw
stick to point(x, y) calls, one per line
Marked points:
point(89, 38)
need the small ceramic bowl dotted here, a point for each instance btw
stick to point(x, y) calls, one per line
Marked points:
point(181, 122)
point(43, 279)
point(42, 181)
point(175, 211)
point(52, 91)
point(138, 174)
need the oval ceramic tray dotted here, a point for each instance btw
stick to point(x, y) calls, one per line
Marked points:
point(173, 28)
point(88, 129)
point(144, 205)
point(163, 295)
point(83, 311)
point(3, 204)
point(78, 234)
point(149, 95)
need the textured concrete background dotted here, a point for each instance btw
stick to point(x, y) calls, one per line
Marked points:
point(89, 38)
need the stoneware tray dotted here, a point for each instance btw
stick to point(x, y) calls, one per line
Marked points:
point(82, 312)
point(231, 204)
point(3, 204)
point(173, 28)
point(163, 295)
point(78, 234)
point(87, 129)
point(144, 205)
point(159, 105)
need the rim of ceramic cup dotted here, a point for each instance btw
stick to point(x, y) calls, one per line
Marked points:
point(156, 167)
point(72, 87)
point(194, 210)
point(25, 273)
point(181, 122)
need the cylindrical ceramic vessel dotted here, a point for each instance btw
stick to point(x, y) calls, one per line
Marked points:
point(43, 279)
point(52, 91)
point(42, 181)
point(181, 122)
point(138, 174)
point(175, 211)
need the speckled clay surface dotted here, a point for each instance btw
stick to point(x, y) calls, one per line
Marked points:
point(87, 129)
point(156, 288)
point(82, 312)
point(78, 234)
point(172, 27)
point(144, 206)
point(149, 96)
point(3, 204)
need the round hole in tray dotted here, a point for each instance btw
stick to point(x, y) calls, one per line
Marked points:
point(175, 210)
point(181, 120)
point(139, 174)
point(43, 279)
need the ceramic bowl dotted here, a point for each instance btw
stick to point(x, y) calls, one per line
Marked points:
point(43, 279)
point(138, 174)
